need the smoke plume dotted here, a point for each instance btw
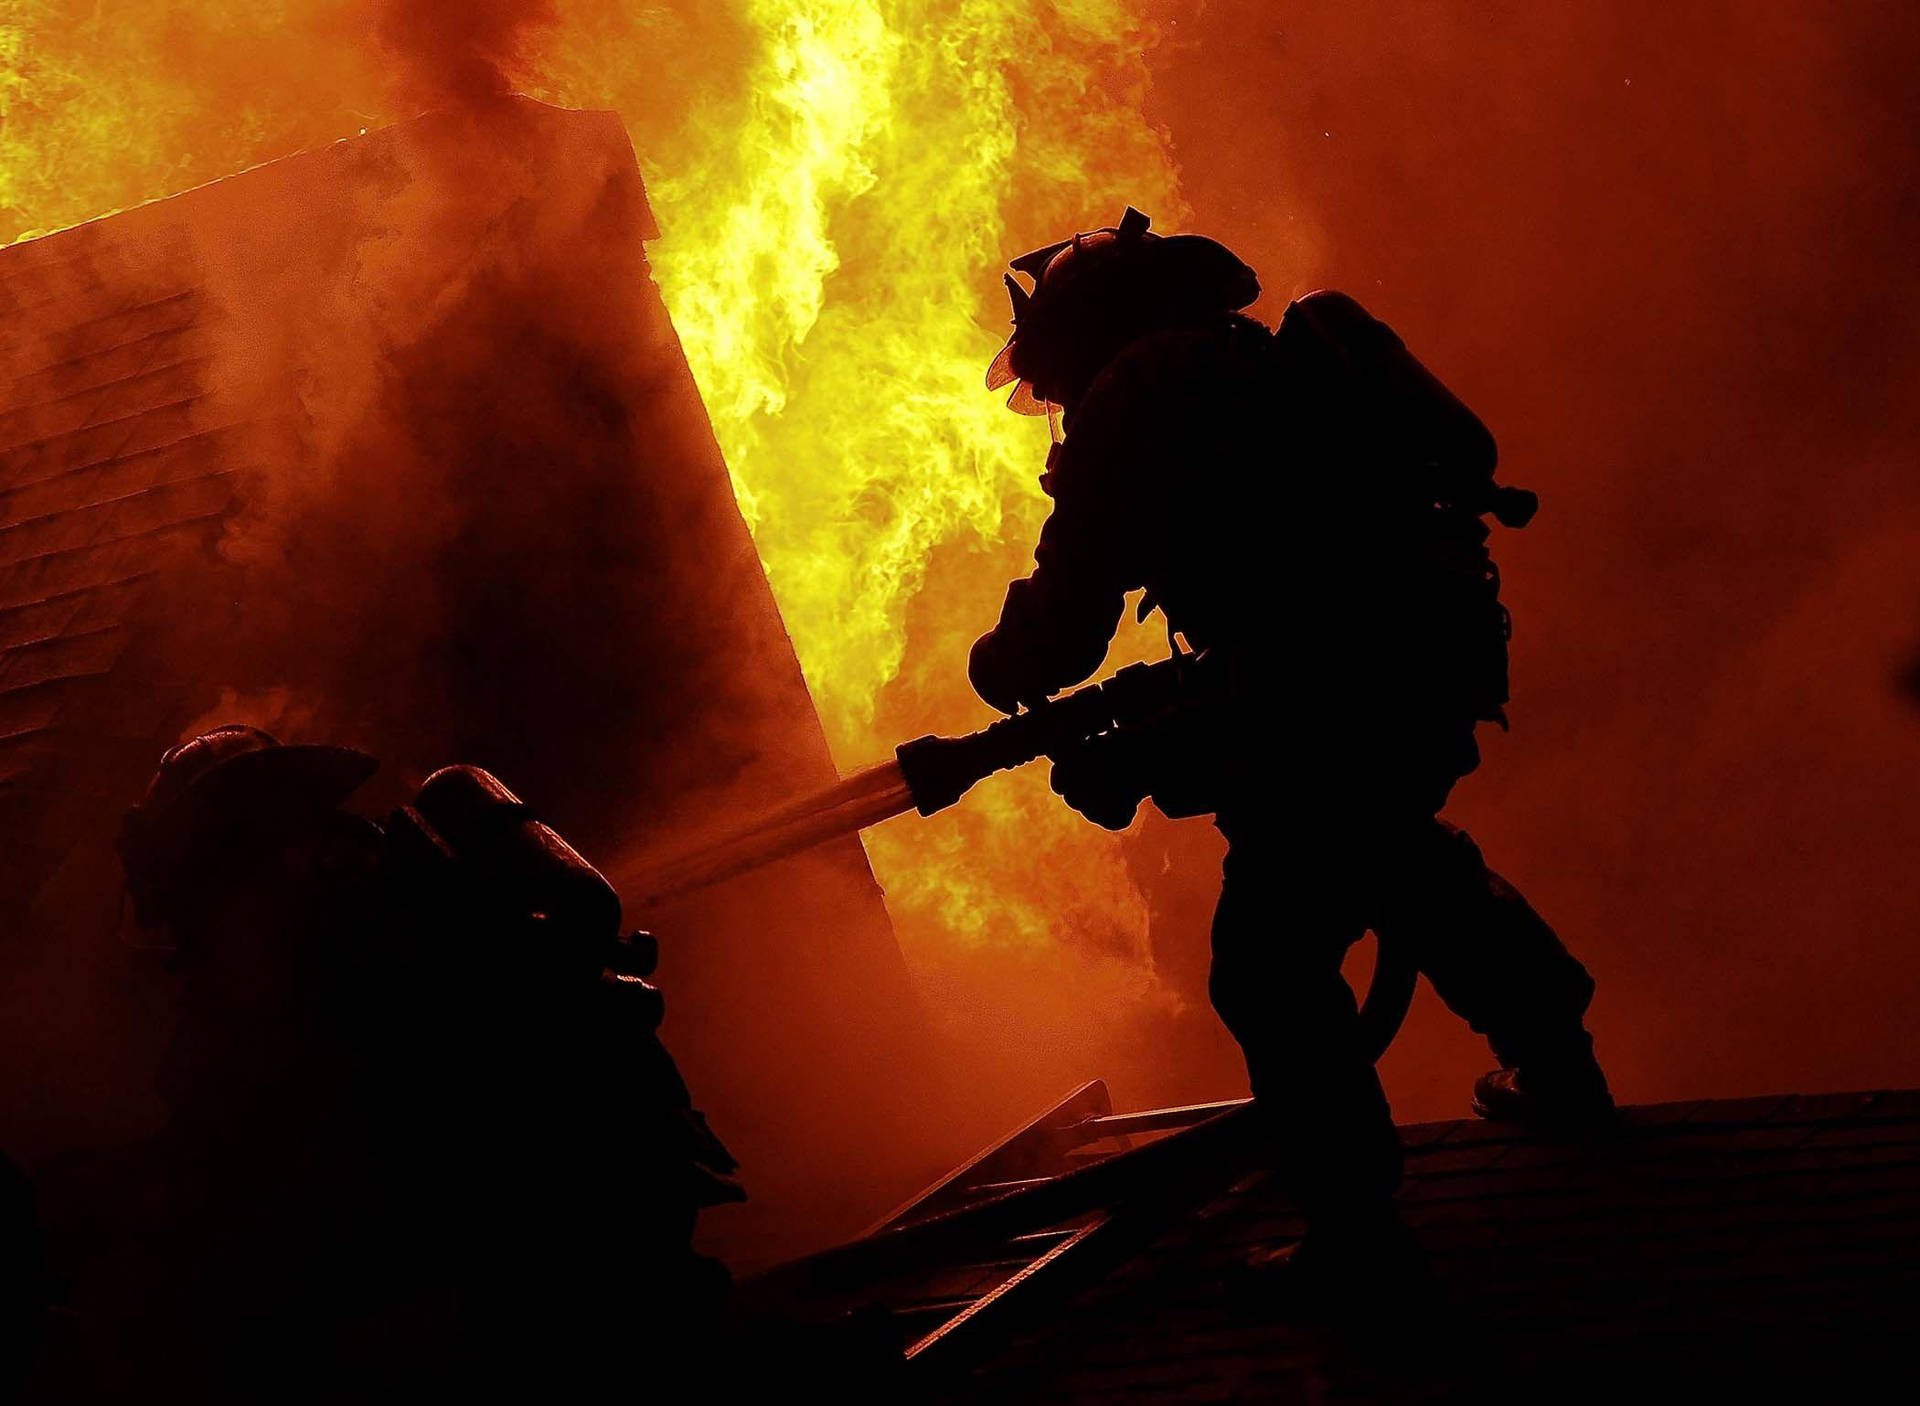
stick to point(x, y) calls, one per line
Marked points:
point(1666, 252)
point(457, 49)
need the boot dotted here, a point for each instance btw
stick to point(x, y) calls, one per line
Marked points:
point(1560, 1091)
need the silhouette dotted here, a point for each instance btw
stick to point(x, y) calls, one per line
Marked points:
point(422, 1132)
point(1305, 505)
point(23, 1284)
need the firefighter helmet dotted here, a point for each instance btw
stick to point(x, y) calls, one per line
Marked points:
point(1095, 292)
point(233, 780)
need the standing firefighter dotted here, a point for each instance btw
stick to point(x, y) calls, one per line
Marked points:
point(1305, 505)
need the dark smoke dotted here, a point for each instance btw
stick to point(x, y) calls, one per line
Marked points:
point(457, 49)
point(478, 515)
point(1666, 251)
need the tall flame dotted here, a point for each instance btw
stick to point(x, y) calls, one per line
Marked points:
point(839, 182)
point(829, 259)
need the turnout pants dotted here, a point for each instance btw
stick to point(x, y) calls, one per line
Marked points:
point(1290, 908)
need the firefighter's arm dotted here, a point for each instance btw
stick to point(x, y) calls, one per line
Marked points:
point(1056, 624)
point(1106, 777)
point(1174, 761)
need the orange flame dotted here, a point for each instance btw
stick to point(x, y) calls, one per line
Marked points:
point(839, 182)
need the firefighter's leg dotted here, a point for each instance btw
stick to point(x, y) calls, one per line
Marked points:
point(1279, 936)
point(1496, 963)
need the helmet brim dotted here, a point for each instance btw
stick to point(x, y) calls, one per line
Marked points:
point(1173, 277)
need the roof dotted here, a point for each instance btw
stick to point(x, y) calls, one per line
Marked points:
point(140, 416)
point(1730, 1245)
point(392, 443)
point(107, 455)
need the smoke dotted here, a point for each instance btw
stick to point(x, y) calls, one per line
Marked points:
point(458, 49)
point(1666, 253)
point(114, 102)
point(1664, 250)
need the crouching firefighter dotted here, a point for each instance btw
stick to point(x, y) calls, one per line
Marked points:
point(1306, 506)
point(422, 1132)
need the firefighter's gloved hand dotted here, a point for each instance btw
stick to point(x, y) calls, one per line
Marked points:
point(1047, 639)
point(1000, 674)
point(1105, 778)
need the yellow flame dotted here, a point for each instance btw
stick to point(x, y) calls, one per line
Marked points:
point(839, 183)
point(108, 103)
point(831, 261)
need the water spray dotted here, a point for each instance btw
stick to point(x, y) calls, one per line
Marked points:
point(931, 773)
point(927, 775)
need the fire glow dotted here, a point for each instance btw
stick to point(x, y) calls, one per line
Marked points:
point(838, 183)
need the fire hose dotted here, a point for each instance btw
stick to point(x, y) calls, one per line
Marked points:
point(930, 774)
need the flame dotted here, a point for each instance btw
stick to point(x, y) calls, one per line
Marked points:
point(834, 226)
point(839, 182)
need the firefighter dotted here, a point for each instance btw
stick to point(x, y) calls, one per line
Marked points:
point(422, 1132)
point(1307, 508)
